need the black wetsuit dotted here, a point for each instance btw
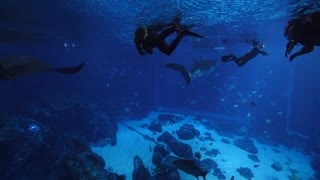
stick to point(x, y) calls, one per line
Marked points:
point(304, 30)
point(245, 58)
point(155, 40)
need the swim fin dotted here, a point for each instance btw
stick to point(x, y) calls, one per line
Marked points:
point(181, 69)
point(72, 70)
point(189, 33)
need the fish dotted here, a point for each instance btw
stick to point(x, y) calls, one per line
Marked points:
point(190, 167)
point(253, 104)
point(16, 66)
point(199, 68)
point(255, 166)
point(232, 178)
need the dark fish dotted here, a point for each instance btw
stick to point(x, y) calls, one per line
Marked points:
point(255, 166)
point(198, 69)
point(253, 104)
point(150, 148)
point(232, 178)
point(17, 66)
point(190, 167)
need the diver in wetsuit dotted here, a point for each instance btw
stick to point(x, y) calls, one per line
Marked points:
point(257, 49)
point(305, 31)
point(146, 39)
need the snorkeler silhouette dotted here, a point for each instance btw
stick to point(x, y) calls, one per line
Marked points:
point(257, 49)
point(148, 38)
point(305, 31)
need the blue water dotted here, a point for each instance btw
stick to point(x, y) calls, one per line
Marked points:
point(44, 110)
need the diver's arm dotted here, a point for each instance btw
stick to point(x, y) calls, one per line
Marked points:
point(306, 49)
point(265, 53)
point(139, 49)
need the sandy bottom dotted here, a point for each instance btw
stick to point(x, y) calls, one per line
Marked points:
point(129, 144)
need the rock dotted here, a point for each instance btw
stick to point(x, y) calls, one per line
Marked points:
point(294, 177)
point(197, 155)
point(277, 166)
point(160, 149)
point(253, 157)
point(157, 158)
point(159, 152)
point(79, 162)
point(315, 164)
point(155, 127)
point(245, 172)
point(208, 164)
point(213, 152)
point(187, 131)
point(217, 172)
point(178, 148)
point(139, 171)
point(226, 141)
point(166, 138)
point(247, 145)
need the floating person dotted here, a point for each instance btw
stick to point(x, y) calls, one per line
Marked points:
point(198, 69)
point(17, 66)
point(190, 167)
point(256, 50)
point(305, 31)
point(148, 38)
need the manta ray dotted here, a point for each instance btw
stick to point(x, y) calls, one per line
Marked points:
point(17, 66)
point(199, 68)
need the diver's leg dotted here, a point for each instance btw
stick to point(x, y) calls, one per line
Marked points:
point(168, 49)
point(241, 61)
point(306, 49)
point(228, 58)
point(164, 34)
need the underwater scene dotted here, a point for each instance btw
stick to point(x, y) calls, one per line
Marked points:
point(159, 90)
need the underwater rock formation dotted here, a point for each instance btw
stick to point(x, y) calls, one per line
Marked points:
point(159, 153)
point(78, 118)
point(24, 148)
point(166, 170)
point(209, 164)
point(140, 171)
point(207, 137)
point(187, 131)
point(277, 166)
point(245, 172)
point(226, 141)
point(253, 157)
point(178, 148)
point(246, 144)
point(212, 153)
point(197, 155)
point(155, 127)
point(315, 164)
point(79, 162)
